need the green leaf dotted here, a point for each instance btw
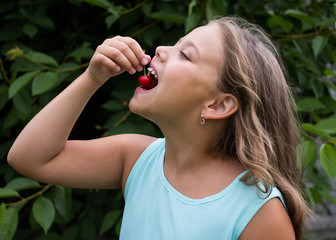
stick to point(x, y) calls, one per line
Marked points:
point(320, 179)
point(3, 213)
point(327, 125)
point(276, 20)
point(331, 85)
point(24, 65)
point(329, 72)
point(22, 183)
point(43, 58)
point(44, 22)
point(310, 153)
point(193, 18)
point(115, 15)
point(216, 8)
point(109, 220)
point(30, 30)
point(83, 52)
point(7, 192)
point(110, 20)
point(311, 128)
point(44, 212)
point(309, 104)
point(328, 159)
point(169, 17)
point(113, 105)
point(314, 195)
point(318, 44)
point(62, 201)
point(22, 102)
point(117, 227)
point(9, 225)
point(300, 15)
point(329, 103)
point(329, 197)
point(11, 119)
point(44, 82)
point(21, 82)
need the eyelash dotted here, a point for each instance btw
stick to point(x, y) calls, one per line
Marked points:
point(184, 55)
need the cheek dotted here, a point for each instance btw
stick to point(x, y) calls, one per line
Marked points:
point(189, 86)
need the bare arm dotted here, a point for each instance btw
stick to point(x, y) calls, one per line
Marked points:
point(42, 150)
point(271, 222)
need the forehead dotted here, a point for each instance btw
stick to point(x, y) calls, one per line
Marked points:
point(208, 40)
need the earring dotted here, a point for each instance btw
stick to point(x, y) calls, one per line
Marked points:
point(202, 120)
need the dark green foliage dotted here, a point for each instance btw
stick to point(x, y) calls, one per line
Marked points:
point(44, 45)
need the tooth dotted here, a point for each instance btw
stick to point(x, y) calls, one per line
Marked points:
point(149, 69)
point(153, 72)
point(155, 76)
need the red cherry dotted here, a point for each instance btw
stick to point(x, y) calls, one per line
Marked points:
point(145, 81)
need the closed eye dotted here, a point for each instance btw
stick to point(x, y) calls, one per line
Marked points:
point(183, 55)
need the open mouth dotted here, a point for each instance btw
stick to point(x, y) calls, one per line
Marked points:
point(150, 81)
point(153, 76)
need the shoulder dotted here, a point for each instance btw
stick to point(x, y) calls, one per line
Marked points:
point(133, 146)
point(270, 222)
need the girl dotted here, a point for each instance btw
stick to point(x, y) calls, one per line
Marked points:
point(226, 168)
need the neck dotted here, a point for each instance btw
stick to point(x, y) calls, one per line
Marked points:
point(190, 147)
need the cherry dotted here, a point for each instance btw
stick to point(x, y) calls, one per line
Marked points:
point(145, 81)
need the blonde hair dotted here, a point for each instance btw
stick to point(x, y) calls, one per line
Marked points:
point(263, 134)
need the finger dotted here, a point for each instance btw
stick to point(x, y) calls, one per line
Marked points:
point(129, 54)
point(118, 57)
point(110, 65)
point(142, 58)
point(103, 56)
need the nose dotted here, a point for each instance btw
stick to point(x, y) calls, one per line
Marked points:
point(162, 53)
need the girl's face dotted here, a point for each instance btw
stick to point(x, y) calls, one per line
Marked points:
point(187, 77)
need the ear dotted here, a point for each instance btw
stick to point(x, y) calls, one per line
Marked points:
point(222, 107)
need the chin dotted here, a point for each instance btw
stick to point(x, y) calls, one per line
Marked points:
point(136, 107)
point(132, 106)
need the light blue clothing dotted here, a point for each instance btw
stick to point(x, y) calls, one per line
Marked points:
point(154, 210)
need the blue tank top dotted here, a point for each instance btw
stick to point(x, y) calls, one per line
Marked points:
point(154, 210)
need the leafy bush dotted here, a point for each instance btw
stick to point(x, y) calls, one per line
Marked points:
point(46, 44)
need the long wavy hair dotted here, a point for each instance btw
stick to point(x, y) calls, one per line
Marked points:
point(263, 134)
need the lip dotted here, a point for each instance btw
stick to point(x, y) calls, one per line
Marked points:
point(142, 90)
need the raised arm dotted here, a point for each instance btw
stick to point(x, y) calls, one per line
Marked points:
point(42, 150)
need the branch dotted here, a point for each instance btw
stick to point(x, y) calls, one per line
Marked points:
point(285, 38)
point(4, 72)
point(123, 118)
point(144, 28)
point(133, 8)
point(39, 193)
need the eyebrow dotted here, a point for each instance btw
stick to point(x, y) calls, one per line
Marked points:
point(190, 44)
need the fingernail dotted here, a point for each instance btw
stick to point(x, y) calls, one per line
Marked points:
point(132, 70)
point(117, 69)
point(139, 68)
point(144, 61)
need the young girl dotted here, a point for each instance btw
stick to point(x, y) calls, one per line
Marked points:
point(226, 168)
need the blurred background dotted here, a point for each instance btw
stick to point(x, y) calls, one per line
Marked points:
point(46, 44)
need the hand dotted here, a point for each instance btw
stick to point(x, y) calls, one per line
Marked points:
point(115, 56)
